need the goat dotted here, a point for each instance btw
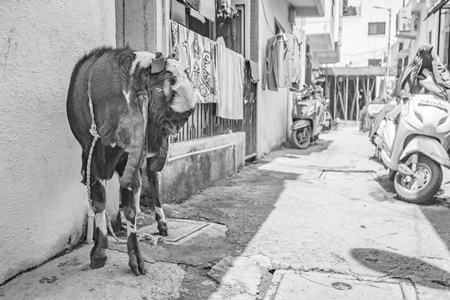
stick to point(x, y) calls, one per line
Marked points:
point(138, 100)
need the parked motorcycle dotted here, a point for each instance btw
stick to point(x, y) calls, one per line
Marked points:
point(413, 138)
point(308, 117)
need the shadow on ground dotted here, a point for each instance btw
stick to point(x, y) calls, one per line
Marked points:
point(242, 203)
point(315, 147)
point(400, 266)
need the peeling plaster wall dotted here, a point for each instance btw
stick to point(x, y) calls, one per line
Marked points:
point(43, 203)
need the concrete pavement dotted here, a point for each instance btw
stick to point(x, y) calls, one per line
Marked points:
point(321, 223)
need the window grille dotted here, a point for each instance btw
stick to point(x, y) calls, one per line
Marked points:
point(377, 28)
point(375, 62)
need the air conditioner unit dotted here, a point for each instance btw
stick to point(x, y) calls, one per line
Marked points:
point(415, 23)
point(404, 20)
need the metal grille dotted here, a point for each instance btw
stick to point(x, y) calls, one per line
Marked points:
point(376, 28)
point(204, 122)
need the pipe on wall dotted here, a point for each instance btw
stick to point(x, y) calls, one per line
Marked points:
point(91, 214)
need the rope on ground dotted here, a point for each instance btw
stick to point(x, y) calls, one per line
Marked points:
point(154, 239)
point(111, 231)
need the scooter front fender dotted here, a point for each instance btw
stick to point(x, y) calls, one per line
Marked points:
point(300, 124)
point(429, 147)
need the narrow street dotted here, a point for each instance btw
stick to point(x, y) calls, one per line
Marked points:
point(321, 223)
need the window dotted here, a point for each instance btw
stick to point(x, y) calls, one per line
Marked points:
point(399, 67)
point(377, 28)
point(232, 29)
point(375, 62)
point(429, 38)
point(400, 47)
point(351, 10)
point(332, 8)
point(229, 23)
point(405, 61)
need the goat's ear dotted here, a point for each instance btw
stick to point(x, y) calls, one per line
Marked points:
point(158, 63)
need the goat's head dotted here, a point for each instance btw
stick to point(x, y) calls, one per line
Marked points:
point(171, 100)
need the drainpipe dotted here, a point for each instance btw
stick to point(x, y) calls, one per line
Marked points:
point(208, 150)
point(91, 214)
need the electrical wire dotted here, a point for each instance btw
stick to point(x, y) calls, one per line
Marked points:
point(367, 52)
point(265, 17)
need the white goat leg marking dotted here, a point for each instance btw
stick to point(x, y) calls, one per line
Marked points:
point(137, 202)
point(132, 227)
point(150, 154)
point(127, 96)
point(100, 222)
point(160, 212)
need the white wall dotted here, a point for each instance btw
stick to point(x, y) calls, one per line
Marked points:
point(273, 108)
point(43, 202)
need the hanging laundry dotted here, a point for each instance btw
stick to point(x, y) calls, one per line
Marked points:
point(198, 60)
point(231, 84)
point(208, 9)
point(178, 12)
point(268, 74)
point(281, 68)
point(292, 61)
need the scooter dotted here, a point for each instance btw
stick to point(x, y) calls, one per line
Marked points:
point(308, 117)
point(412, 143)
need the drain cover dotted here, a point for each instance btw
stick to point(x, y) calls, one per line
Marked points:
point(181, 230)
point(313, 286)
point(347, 175)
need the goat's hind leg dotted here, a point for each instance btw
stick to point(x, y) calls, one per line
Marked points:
point(98, 195)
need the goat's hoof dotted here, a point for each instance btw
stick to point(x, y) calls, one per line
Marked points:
point(162, 228)
point(138, 269)
point(98, 260)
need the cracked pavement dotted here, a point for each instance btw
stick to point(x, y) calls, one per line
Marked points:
point(281, 215)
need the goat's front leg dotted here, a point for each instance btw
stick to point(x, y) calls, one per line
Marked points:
point(130, 207)
point(137, 106)
point(98, 196)
point(159, 212)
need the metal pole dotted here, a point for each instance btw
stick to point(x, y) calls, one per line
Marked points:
point(335, 97)
point(389, 56)
point(346, 97)
point(388, 64)
point(439, 31)
point(357, 98)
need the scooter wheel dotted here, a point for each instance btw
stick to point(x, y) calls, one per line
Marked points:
point(423, 187)
point(301, 143)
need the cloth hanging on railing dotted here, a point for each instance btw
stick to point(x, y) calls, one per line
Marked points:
point(197, 58)
point(281, 68)
point(254, 70)
point(231, 84)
